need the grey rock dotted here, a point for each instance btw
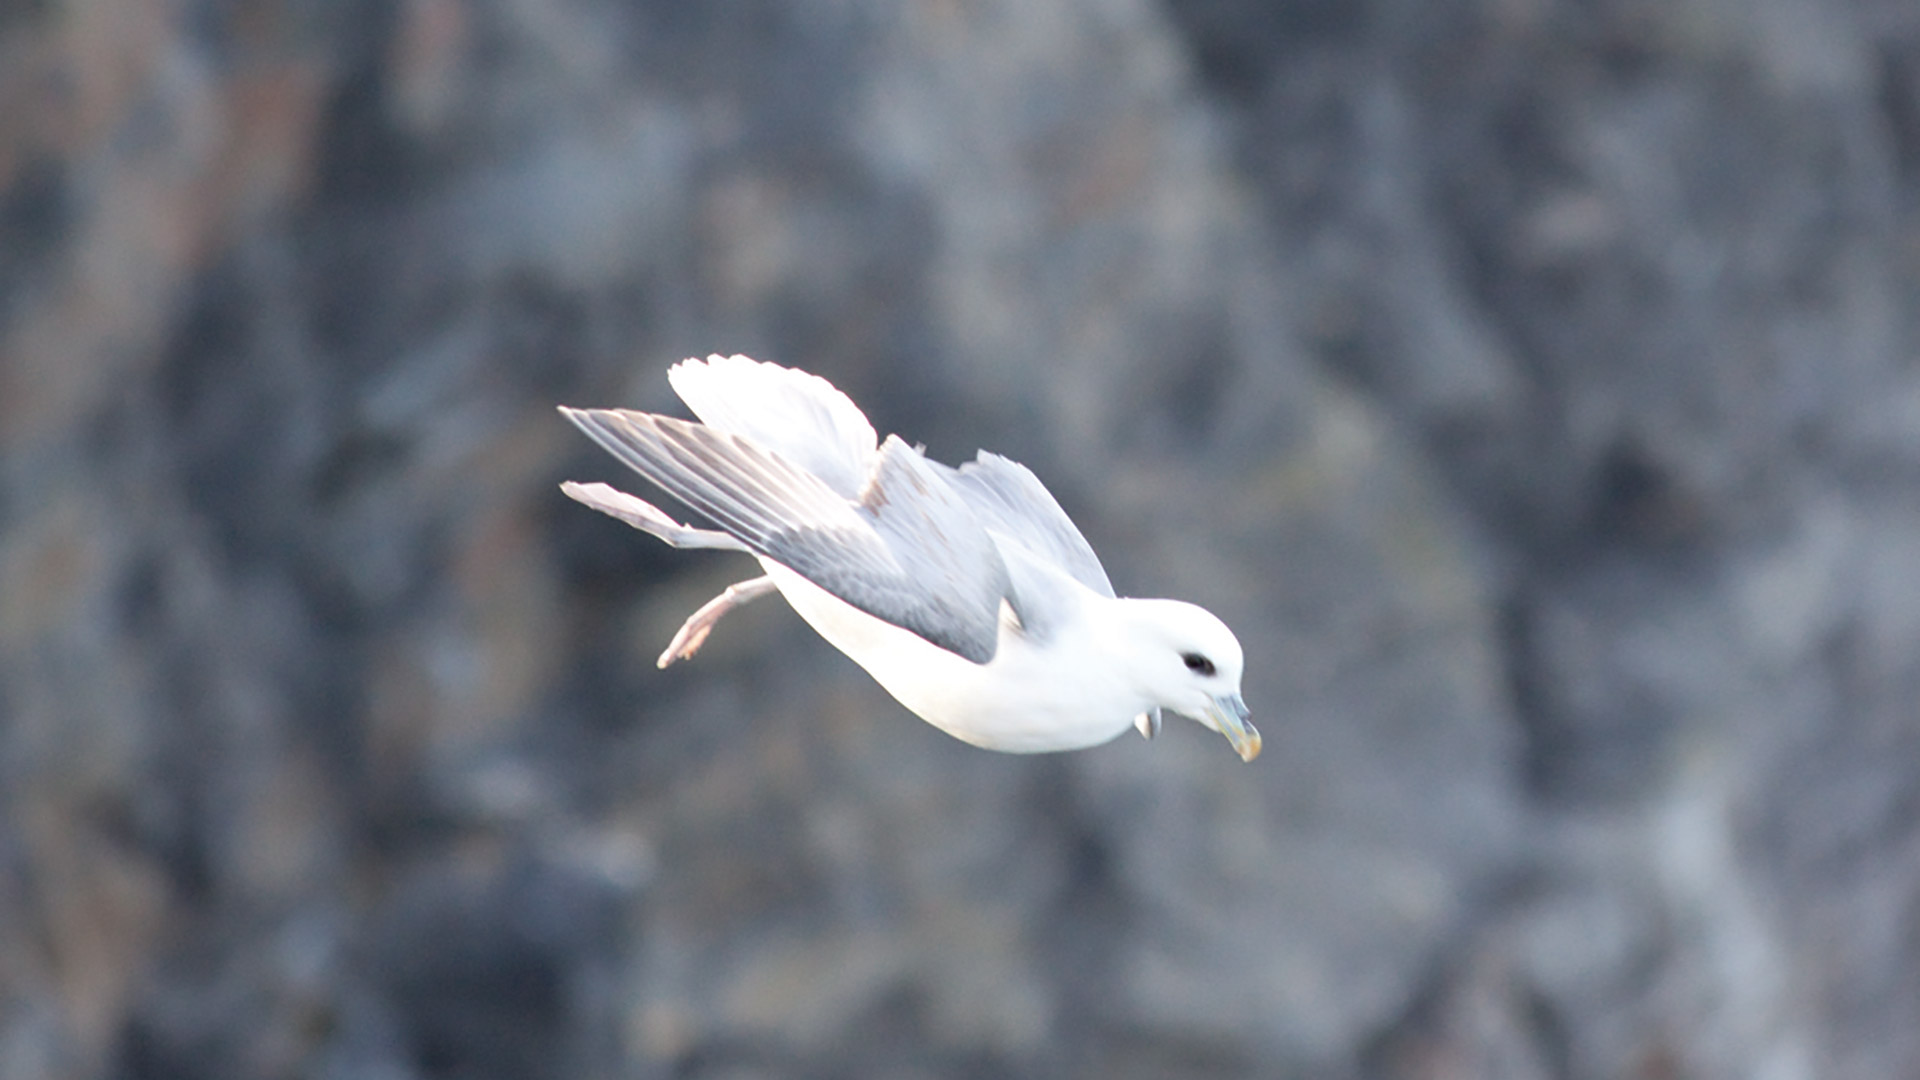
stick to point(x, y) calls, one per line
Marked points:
point(1530, 384)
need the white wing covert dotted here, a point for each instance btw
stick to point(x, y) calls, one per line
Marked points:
point(799, 416)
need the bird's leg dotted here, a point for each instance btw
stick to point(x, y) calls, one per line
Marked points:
point(1148, 723)
point(646, 517)
point(693, 633)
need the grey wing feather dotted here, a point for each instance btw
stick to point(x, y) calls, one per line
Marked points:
point(940, 543)
point(908, 552)
point(1008, 498)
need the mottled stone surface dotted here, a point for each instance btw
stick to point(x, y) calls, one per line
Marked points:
point(1531, 384)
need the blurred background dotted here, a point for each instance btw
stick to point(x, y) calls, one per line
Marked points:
point(1531, 383)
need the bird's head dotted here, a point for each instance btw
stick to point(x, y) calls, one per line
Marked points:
point(1188, 662)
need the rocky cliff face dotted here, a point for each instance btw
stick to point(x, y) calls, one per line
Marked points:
point(1532, 385)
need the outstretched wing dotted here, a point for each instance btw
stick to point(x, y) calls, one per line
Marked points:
point(907, 549)
point(1009, 499)
point(799, 416)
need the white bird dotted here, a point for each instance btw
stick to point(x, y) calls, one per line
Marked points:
point(967, 593)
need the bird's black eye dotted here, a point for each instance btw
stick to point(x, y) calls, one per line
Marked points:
point(1196, 663)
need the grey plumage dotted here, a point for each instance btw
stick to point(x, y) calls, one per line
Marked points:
point(908, 549)
point(1009, 499)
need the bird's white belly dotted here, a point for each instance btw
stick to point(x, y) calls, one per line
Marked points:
point(1025, 701)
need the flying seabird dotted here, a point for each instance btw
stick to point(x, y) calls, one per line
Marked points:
point(967, 593)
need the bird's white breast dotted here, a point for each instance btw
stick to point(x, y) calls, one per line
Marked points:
point(1031, 698)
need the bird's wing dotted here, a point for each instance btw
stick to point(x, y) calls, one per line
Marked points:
point(798, 416)
point(906, 549)
point(1010, 500)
